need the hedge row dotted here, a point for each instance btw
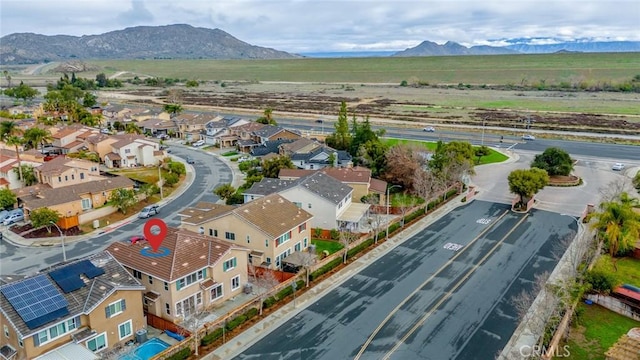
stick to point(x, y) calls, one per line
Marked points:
point(234, 323)
point(356, 249)
point(325, 268)
point(180, 355)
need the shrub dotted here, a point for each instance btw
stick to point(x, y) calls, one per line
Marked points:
point(317, 232)
point(180, 355)
point(326, 268)
point(403, 83)
point(356, 249)
point(251, 313)
point(414, 215)
point(268, 302)
point(212, 336)
point(451, 192)
point(335, 234)
point(601, 281)
point(237, 321)
point(636, 180)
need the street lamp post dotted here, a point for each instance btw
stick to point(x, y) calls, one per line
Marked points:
point(483, 123)
point(388, 189)
point(64, 253)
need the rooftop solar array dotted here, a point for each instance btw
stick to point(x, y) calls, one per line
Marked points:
point(68, 277)
point(36, 300)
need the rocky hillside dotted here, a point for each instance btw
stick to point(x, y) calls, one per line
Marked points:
point(141, 42)
point(429, 48)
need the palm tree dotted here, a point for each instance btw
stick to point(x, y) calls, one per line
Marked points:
point(16, 141)
point(132, 128)
point(37, 136)
point(10, 133)
point(619, 224)
point(8, 128)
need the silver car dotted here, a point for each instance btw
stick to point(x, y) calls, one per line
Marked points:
point(14, 217)
point(149, 211)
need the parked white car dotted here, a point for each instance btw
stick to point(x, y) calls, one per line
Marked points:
point(528, 137)
point(14, 217)
point(617, 167)
point(198, 143)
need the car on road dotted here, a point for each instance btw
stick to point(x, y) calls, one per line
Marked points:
point(198, 143)
point(134, 239)
point(190, 160)
point(429, 129)
point(528, 137)
point(617, 167)
point(149, 211)
point(163, 137)
point(319, 121)
point(105, 131)
point(14, 217)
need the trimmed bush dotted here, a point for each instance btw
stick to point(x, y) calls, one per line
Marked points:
point(409, 218)
point(237, 321)
point(269, 302)
point(212, 336)
point(180, 355)
point(601, 282)
point(451, 192)
point(355, 250)
point(335, 234)
point(326, 268)
point(251, 313)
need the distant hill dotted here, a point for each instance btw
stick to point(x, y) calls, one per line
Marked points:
point(429, 48)
point(519, 46)
point(140, 42)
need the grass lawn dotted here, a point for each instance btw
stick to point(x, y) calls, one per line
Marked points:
point(628, 269)
point(329, 245)
point(230, 153)
point(493, 157)
point(400, 199)
point(597, 329)
point(142, 174)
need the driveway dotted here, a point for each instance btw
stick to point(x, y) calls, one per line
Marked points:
point(442, 294)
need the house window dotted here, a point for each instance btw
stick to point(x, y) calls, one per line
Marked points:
point(55, 331)
point(201, 230)
point(20, 342)
point(73, 177)
point(166, 286)
point(215, 233)
point(309, 205)
point(6, 330)
point(127, 151)
point(229, 235)
point(167, 308)
point(216, 292)
point(115, 308)
point(266, 242)
point(302, 227)
point(296, 247)
point(304, 243)
point(268, 260)
point(235, 282)
point(150, 279)
point(283, 238)
point(81, 176)
point(188, 306)
point(97, 343)
point(137, 274)
point(59, 178)
point(124, 330)
point(298, 204)
point(248, 239)
point(66, 178)
point(229, 264)
point(210, 232)
point(86, 204)
point(311, 166)
point(191, 278)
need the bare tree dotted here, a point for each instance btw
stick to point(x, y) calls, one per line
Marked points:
point(263, 285)
point(346, 238)
point(375, 219)
point(613, 190)
point(423, 185)
point(192, 322)
point(407, 202)
point(307, 260)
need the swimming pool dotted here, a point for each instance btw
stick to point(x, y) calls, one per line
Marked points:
point(146, 350)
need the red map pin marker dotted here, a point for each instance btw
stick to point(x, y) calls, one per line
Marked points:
point(155, 239)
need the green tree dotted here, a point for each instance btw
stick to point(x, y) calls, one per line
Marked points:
point(149, 190)
point(37, 136)
point(173, 109)
point(340, 139)
point(132, 128)
point(101, 80)
point(28, 174)
point(192, 83)
point(89, 100)
point(22, 92)
point(362, 134)
point(555, 161)
point(482, 151)
point(636, 180)
point(267, 118)
point(122, 199)
point(225, 191)
point(618, 224)
point(271, 167)
point(44, 217)
point(10, 133)
point(7, 198)
point(177, 168)
point(527, 183)
point(171, 178)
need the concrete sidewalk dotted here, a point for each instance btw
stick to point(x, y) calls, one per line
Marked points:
point(254, 334)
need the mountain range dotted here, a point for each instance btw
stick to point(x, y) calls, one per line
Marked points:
point(182, 41)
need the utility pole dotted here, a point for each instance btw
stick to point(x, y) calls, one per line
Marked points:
point(160, 179)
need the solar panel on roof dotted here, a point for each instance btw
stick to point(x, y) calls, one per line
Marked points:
point(68, 277)
point(36, 300)
point(96, 271)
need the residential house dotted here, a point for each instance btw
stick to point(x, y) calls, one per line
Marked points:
point(272, 227)
point(125, 114)
point(66, 139)
point(9, 178)
point(125, 150)
point(259, 136)
point(327, 199)
point(157, 126)
point(312, 155)
point(189, 272)
point(190, 125)
point(63, 171)
point(218, 133)
point(71, 200)
point(73, 310)
point(359, 178)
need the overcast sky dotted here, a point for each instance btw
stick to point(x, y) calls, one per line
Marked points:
point(347, 25)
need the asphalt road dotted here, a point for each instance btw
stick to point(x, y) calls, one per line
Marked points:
point(614, 151)
point(210, 172)
point(423, 301)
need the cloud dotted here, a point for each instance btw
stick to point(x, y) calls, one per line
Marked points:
point(326, 25)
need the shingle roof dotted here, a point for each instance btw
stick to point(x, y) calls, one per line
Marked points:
point(377, 185)
point(299, 144)
point(268, 131)
point(45, 196)
point(355, 174)
point(342, 155)
point(272, 214)
point(201, 212)
point(295, 173)
point(268, 186)
point(249, 127)
point(189, 252)
point(318, 183)
point(85, 299)
point(270, 146)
